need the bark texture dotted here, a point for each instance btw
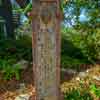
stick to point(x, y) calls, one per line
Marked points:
point(46, 50)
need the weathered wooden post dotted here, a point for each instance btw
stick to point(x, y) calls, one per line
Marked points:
point(46, 49)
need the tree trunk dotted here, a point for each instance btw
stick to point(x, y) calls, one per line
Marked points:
point(46, 49)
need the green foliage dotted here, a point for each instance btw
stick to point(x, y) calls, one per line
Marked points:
point(9, 71)
point(73, 9)
point(81, 45)
point(28, 8)
point(77, 94)
point(12, 51)
point(72, 50)
point(81, 41)
point(24, 46)
point(82, 93)
point(16, 49)
point(95, 90)
point(69, 62)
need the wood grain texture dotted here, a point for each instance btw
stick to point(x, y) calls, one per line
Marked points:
point(46, 52)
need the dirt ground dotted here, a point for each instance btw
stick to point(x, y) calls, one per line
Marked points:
point(10, 89)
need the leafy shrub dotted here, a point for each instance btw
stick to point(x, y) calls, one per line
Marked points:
point(83, 45)
point(71, 55)
point(12, 51)
point(24, 46)
point(9, 71)
point(95, 90)
point(16, 49)
point(77, 94)
point(70, 62)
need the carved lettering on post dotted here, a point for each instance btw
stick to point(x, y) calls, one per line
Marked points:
point(46, 49)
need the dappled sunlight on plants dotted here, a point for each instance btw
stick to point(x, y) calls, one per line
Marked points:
point(88, 84)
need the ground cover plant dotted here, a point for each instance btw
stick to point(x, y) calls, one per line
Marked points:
point(11, 52)
point(9, 70)
point(83, 93)
point(78, 95)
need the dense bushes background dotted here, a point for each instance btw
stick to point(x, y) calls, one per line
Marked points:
point(14, 50)
point(80, 47)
